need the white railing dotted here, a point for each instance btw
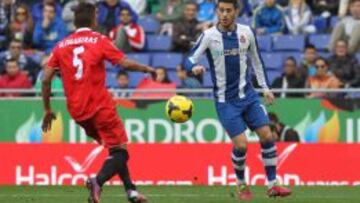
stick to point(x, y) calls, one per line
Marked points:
point(194, 93)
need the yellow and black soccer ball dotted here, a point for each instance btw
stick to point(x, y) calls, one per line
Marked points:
point(179, 109)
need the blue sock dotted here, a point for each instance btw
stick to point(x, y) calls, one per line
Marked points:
point(238, 158)
point(268, 152)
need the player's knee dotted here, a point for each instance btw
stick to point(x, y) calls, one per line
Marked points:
point(267, 137)
point(241, 146)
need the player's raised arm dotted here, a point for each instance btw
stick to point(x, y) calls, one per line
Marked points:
point(191, 61)
point(259, 70)
point(135, 66)
point(115, 56)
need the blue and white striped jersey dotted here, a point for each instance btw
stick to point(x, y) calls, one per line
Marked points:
point(227, 53)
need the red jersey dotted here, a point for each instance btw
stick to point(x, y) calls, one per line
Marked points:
point(80, 58)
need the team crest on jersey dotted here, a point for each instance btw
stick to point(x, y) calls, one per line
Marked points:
point(242, 39)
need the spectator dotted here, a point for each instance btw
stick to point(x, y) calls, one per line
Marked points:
point(290, 79)
point(349, 29)
point(27, 65)
point(6, 9)
point(161, 75)
point(38, 10)
point(345, 66)
point(128, 36)
point(139, 6)
point(22, 25)
point(307, 66)
point(269, 18)
point(298, 18)
point(159, 80)
point(68, 13)
point(282, 132)
point(343, 8)
point(322, 80)
point(325, 8)
point(153, 6)
point(108, 12)
point(49, 30)
point(170, 11)
point(14, 78)
point(186, 30)
point(123, 80)
point(187, 79)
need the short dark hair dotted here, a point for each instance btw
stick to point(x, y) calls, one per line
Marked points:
point(310, 46)
point(84, 15)
point(322, 59)
point(122, 73)
point(11, 59)
point(291, 58)
point(354, 1)
point(192, 3)
point(234, 2)
point(16, 41)
point(51, 4)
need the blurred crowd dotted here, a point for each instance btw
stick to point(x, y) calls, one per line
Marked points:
point(29, 29)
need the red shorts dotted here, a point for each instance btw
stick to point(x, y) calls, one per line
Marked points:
point(106, 128)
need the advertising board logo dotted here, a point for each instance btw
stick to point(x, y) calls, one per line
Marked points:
point(30, 131)
point(84, 166)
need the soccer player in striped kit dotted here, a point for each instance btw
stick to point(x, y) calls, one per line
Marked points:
point(227, 46)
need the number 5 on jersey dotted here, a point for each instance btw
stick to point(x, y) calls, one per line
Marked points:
point(77, 62)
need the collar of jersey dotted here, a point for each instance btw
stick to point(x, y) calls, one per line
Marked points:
point(82, 29)
point(217, 27)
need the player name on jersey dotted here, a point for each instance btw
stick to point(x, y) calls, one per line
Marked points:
point(80, 40)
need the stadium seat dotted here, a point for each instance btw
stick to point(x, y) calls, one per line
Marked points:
point(142, 58)
point(320, 24)
point(207, 80)
point(111, 80)
point(289, 43)
point(167, 60)
point(149, 24)
point(264, 43)
point(244, 20)
point(173, 77)
point(135, 78)
point(321, 42)
point(37, 57)
point(297, 55)
point(272, 75)
point(158, 43)
point(272, 60)
point(325, 55)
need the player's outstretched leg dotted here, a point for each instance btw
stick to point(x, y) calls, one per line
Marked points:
point(238, 158)
point(116, 163)
point(133, 195)
point(268, 152)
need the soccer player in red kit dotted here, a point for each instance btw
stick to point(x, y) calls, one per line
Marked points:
point(80, 58)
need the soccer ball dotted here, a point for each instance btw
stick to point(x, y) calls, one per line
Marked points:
point(179, 109)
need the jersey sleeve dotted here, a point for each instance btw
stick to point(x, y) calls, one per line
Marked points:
point(257, 63)
point(53, 61)
point(196, 52)
point(110, 52)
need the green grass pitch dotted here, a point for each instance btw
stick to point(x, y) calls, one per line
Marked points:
point(176, 194)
